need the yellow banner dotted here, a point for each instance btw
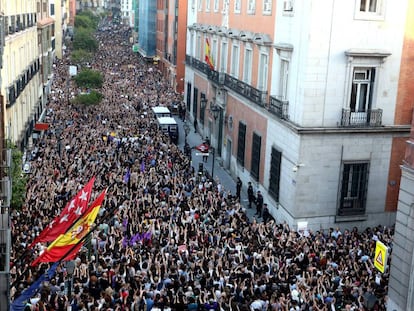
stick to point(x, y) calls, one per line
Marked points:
point(381, 255)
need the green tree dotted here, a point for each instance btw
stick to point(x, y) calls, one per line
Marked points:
point(89, 78)
point(93, 17)
point(82, 21)
point(88, 99)
point(19, 180)
point(84, 40)
point(81, 57)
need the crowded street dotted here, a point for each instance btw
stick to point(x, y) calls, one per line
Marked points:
point(167, 237)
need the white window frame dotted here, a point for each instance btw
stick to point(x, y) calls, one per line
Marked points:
point(200, 5)
point(223, 56)
point(378, 13)
point(216, 5)
point(237, 6)
point(214, 51)
point(263, 72)
point(288, 6)
point(284, 78)
point(251, 7)
point(199, 47)
point(192, 43)
point(208, 5)
point(267, 7)
point(247, 65)
point(235, 60)
point(363, 78)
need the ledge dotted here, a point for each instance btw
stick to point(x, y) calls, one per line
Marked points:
point(351, 218)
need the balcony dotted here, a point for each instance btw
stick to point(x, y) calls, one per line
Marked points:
point(201, 66)
point(279, 107)
point(245, 90)
point(370, 118)
point(221, 78)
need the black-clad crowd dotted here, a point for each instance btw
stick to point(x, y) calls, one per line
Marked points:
point(175, 241)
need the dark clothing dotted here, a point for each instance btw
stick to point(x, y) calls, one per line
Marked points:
point(250, 194)
point(238, 188)
point(259, 204)
point(195, 125)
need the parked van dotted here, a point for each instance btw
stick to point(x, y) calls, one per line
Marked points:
point(170, 127)
point(161, 111)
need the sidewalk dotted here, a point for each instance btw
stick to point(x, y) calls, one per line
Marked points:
point(227, 181)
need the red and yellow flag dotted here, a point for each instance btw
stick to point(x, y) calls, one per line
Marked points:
point(72, 211)
point(208, 57)
point(67, 245)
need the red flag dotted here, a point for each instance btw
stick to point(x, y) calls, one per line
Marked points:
point(67, 245)
point(72, 211)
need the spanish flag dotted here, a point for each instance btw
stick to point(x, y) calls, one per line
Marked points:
point(208, 57)
point(67, 245)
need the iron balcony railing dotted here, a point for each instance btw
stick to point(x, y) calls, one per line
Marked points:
point(279, 107)
point(246, 90)
point(369, 118)
point(220, 78)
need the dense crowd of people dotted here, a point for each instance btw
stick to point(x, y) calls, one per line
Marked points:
point(174, 241)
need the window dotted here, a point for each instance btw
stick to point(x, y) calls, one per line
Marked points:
point(214, 52)
point(369, 9)
point(274, 176)
point(241, 143)
point(251, 7)
point(255, 164)
point(207, 5)
point(235, 61)
point(354, 188)
point(288, 6)
point(237, 6)
point(267, 6)
point(200, 5)
point(52, 9)
point(247, 66)
point(283, 81)
point(199, 48)
point(263, 72)
point(216, 5)
point(223, 58)
point(362, 87)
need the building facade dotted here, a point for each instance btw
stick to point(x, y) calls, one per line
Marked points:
point(171, 41)
point(401, 287)
point(21, 81)
point(303, 104)
point(147, 17)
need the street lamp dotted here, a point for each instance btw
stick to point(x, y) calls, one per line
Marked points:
point(214, 110)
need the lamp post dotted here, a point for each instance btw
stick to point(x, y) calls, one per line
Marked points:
point(70, 268)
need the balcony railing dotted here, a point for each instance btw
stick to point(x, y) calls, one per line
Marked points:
point(201, 66)
point(279, 107)
point(255, 95)
point(245, 90)
point(369, 118)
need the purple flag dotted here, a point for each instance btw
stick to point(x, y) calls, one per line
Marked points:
point(142, 166)
point(127, 175)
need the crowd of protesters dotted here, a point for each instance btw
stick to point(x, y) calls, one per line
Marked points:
point(175, 241)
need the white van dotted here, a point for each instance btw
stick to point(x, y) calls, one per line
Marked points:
point(160, 111)
point(170, 127)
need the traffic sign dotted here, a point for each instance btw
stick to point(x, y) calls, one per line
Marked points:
point(380, 257)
